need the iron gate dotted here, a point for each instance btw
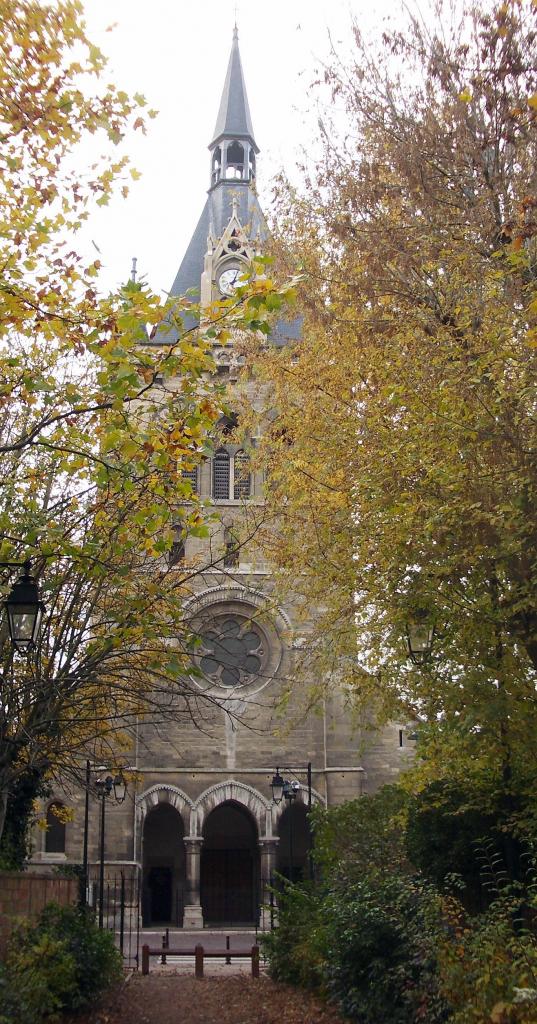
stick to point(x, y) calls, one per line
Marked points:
point(120, 911)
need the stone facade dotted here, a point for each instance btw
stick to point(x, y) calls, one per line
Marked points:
point(202, 828)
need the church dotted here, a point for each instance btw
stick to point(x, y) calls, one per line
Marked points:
point(221, 804)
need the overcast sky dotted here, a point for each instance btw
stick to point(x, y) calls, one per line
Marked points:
point(176, 53)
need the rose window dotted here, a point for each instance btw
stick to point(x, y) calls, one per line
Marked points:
point(232, 651)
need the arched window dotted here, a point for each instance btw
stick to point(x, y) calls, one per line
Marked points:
point(231, 556)
point(241, 476)
point(55, 834)
point(235, 161)
point(221, 475)
point(217, 165)
point(177, 552)
point(192, 476)
point(227, 424)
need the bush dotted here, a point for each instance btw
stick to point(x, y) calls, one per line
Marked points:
point(62, 963)
point(296, 949)
point(488, 965)
point(381, 958)
point(42, 976)
point(447, 829)
point(385, 944)
point(370, 946)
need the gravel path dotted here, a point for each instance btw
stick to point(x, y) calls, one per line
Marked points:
point(177, 999)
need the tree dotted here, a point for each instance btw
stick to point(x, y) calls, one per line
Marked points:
point(406, 465)
point(96, 423)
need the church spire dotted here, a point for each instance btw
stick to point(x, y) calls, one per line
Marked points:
point(233, 148)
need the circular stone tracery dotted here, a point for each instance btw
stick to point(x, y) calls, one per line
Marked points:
point(233, 651)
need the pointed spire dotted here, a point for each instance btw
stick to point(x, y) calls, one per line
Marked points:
point(234, 119)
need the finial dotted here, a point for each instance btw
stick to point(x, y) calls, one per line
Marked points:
point(235, 207)
point(235, 29)
point(133, 269)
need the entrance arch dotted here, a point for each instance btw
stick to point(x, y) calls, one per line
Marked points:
point(295, 842)
point(229, 882)
point(163, 867)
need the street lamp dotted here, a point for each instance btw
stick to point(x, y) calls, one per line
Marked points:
point(104, 787)
point(24, 609)
point(291, 790)
point(120, 788)
point(288, 790)
point(419, 638)
point(277, 786)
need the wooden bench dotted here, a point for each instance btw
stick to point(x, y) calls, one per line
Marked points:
point(199, 953)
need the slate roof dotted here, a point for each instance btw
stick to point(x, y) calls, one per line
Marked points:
point(214, 219)
point(234, 114)
point(233, 120)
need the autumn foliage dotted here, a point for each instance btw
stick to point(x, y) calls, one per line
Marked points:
point(404, 472)
point(97, 420)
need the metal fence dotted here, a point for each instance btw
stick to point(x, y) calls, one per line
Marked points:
point(120, 911)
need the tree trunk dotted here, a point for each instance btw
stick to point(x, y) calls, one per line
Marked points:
point(3, 809)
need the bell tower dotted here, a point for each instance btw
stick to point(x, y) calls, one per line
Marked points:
point(232, 227)
point(233, 149)
point(204, 835)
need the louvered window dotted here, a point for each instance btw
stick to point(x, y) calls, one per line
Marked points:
point(221, 475)
point(192, 476)
point(241, 483)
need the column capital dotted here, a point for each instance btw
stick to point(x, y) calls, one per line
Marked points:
point(268, 841)
point(193, 840)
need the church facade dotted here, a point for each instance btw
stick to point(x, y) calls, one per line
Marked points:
point(202, 831)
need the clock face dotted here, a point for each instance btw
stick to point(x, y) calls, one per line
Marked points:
point(228, 280)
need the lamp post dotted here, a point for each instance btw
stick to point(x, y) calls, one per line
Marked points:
point(104, 787)
point(83, 897)
point(288, 790)
point(24, 609)
point(290, 793)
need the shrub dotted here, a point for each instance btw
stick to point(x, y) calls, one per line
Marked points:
point(381, 951)
point(488, 965)
point(42, 975)
point(447, 828)
point(62, 963)
point(362, 834)
point(370, 946)
point(296, 949)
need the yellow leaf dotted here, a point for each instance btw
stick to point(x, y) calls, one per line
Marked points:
point(465, 96)
point(532, 101)
point(498, 1014)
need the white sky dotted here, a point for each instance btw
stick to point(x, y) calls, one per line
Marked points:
point(176, 53)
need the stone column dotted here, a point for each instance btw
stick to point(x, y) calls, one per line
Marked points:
point(193, 917)
point(268, 846)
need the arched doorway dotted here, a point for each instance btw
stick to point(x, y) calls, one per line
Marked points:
point(230, 867)
point(295, 842)
point(163, 867)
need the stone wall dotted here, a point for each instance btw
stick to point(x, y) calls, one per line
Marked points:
point(23, 896)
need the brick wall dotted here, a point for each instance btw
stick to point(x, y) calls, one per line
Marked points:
point(23, 895)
